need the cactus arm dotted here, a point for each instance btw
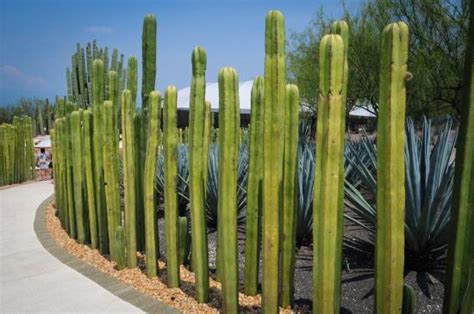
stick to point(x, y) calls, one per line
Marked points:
point(151, 240)
point(391, 171)
point(227, 185)
point(461, 245)
point(196, 188)
point(327, 226)
point(274, 112)
point(89, 178)
point(254, 190)
point(289, 196)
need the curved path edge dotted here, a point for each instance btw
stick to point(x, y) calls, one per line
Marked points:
point(116, 287)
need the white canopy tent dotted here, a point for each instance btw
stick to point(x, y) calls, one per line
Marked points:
point(212, 95)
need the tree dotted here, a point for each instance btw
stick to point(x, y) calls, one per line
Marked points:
point(438, 35)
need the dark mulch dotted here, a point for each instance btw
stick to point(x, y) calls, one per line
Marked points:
point(357, 277)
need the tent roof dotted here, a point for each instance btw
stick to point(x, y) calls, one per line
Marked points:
point(361, 112)
point(212, 95)
point(46, 143)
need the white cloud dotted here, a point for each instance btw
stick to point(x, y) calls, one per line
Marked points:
point(11, 76)
point(99, 29)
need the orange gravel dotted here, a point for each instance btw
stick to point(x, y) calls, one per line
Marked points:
point(180, 298)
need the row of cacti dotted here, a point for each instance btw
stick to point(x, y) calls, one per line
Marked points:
point(17, 158)
point(86, 145)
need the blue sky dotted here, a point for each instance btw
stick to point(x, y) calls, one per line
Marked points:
point(38, 37)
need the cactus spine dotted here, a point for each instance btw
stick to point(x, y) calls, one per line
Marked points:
point(227, 184)
point(274, 112)
point(98, 99)
point(327, 209)
point(254, 189)
point(196, 188)
point(151, 241)
point(461, 246)
point(78, 173)
point(171, 170)
point(290, 184)
point(111, 174)
point(149, 58)
point(89, 177)
point(128, 144)
point(391, 170)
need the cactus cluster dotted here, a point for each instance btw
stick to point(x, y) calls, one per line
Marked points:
point(79, 77)
point(17, 159)
point(87, 178)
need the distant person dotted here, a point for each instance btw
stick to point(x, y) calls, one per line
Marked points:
point(43, 159)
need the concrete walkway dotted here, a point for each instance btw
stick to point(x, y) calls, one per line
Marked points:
point(31, 279)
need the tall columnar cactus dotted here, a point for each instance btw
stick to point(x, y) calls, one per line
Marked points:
point(341, 28)
point(120, 244)
point(327, 209)
point(254, 189)
point(111, 174)
point(461, 246)
point(206, 140)
point(113, 97)
point(151, 238)
point(101, 207)
point(128, 144)
point(274, 113)
point(78, 174)
point(390, 236)
point(196, 187)
point(148, 58)
point(227, 185)
point(69, 176)
point(290, 184)
point(89, 177)
point(171, 169)
point(139, 160)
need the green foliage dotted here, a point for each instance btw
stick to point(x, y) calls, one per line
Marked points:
point(436, 54)
point(429, 188)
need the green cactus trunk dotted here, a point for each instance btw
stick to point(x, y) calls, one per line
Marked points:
point(461, 245)
point(290, 184)
point(89, 178)
point(111, 174)
point(390, 236)
point(327, 209)
point(254, 190)
point(171, 170)
point(183, 239)
point(206, 140)
point(101, 206)
point(128, 144)
point(78, 174)
point(196, 181)
point(149, 59)
point(120, 243)
point(227, 185)
point(151, 232)
point(69, 177)
point(274, 113)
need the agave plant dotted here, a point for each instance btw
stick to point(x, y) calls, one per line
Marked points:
point(211, 198)
point(429, 185)
point(304, 210)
